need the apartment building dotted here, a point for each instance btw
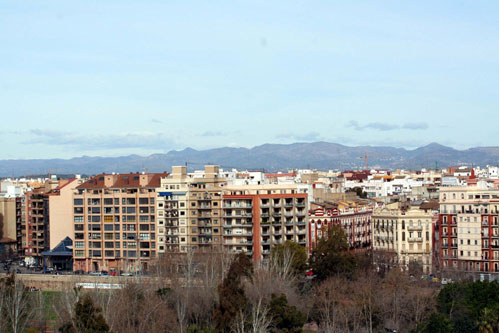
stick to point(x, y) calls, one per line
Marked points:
point(114, 218)
point(190, 210)
point(468, 228)
point(36, 221)
point(60, 211)
point(354, 217)
point(8, 224)
point(256, 217)
point(406, 231)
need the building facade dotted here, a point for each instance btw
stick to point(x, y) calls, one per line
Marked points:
point(256, 217)
point(114, 218)
point(353, 217)
point(190, 210)
point(468, 228)
point(406, 232)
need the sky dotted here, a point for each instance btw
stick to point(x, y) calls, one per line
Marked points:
point(112, 78)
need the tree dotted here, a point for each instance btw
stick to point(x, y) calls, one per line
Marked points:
point(88, 318)
point(489, 320)
point(232, 299)
point(438, 323)
point(290, 255)
point(16, 305)
point(285, 318)
point(331, 256)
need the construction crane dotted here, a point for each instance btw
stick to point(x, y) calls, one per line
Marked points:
point(366, 157)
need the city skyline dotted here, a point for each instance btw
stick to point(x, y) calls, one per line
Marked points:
point(122, 78)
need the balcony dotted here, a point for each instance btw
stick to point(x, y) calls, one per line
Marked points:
point(228, 215)
point(416, 239)
point(415, 228)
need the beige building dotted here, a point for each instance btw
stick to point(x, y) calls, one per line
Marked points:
point(189, 208)
point(405, 232)
point(60, 211)
point(114, 220)
point(9, 214)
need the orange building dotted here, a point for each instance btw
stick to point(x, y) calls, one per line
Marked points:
point(114, 219)
point(257, 217)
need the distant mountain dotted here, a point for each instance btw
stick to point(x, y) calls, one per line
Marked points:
point(271, 157)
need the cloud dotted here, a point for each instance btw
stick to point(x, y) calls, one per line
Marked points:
point(156, 121)
point(311, 136)
point(415, 126)
point(214, 133)
point(386, 126)
point(88, 142)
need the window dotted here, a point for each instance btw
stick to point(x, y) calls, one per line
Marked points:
point(79, 253)
point(78, 202)
point(79, 245)
point(108, 201)
point(78, 218)
point(108, 227)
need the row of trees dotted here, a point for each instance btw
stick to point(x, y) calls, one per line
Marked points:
point(218, 292)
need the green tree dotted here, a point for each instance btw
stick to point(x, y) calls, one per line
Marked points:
point(331, 256)
point(87, 318)
point(285, 318)
point(438, 323)
point(489, 320)
point(292, 251)
point(232, 299)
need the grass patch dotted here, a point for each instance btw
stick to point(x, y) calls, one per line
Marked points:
point(49, 298)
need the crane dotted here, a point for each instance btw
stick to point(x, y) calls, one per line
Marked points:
point(366, 157)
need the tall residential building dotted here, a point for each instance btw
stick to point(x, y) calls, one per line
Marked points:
point(37, 219)
point(256, 217)
point(468, 228)
point(189, 210)
point(60, 212)
point(115, 222)
point(354, 217)
point(8, 224)
point(406, 231)
point(20, 225)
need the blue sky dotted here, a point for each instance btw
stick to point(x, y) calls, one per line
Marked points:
point(113, 78)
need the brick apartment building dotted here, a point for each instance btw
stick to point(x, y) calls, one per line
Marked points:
point(354, 217)
point(256, 217)
point(468, 228)
point(114, 219)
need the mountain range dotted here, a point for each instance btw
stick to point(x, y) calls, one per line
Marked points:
point(268, 157)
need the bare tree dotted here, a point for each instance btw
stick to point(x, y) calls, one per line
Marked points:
point(260, 319)
point(16, 304)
